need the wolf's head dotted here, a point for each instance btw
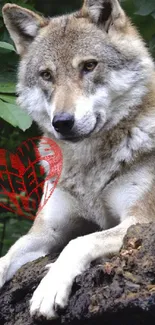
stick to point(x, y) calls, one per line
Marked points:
point(79, 73)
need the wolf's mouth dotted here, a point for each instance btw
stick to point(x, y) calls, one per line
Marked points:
point(72, 137)
point(75, 137)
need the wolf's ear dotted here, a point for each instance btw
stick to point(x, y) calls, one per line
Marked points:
point(22, 24)
point(104, 13)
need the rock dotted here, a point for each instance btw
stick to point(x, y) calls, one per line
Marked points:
point(118, 291)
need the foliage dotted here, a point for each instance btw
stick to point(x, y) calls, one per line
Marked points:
point(142, 13)
point(9, 111)
point(11, 228)
point(13, 121)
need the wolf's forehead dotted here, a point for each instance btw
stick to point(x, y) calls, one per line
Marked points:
point(71, 36)
point(66, 39)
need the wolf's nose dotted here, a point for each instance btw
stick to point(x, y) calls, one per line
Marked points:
point(63, 122)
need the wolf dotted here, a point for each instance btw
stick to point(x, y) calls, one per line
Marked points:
point(88, 80)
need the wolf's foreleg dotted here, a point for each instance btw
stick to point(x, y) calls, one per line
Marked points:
point(51, 231)
point(74, 259)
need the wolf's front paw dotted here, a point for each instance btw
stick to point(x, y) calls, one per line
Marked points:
point(54, 290)
point(3, 271)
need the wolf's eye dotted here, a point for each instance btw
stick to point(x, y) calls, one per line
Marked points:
point(46, 75)
point(89, 66)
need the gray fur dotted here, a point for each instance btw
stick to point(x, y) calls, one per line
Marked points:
point(108, 175)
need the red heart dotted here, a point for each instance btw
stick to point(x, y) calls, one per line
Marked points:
point(18, 173)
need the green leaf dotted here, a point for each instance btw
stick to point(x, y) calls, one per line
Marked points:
point(153, 14)
point(7, 46)
point(9, 99)
point(145, 7)
point(8, 87)
point(14, 115)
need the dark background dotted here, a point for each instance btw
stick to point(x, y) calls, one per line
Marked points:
point(14, 125)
